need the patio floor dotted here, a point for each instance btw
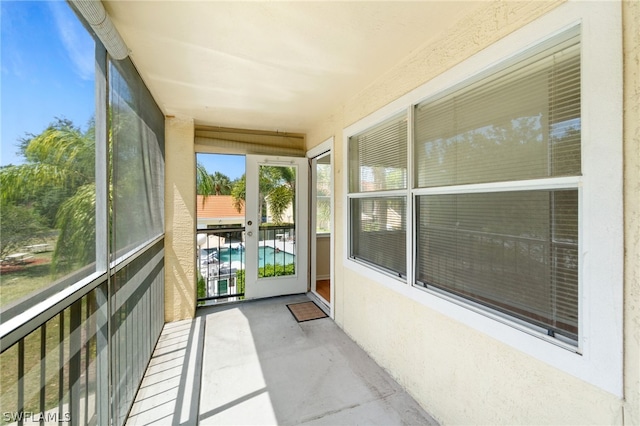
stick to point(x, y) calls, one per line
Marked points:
point(252, 363)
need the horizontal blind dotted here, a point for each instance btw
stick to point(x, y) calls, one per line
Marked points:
point(378, 232)
point(522, 122)
point(516, 252)
point(378, 157)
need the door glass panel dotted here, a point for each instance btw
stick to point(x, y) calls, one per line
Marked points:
point(277, 233)
point(323, 195)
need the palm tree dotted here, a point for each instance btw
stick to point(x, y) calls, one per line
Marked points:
point(279, 199)
point(279, 190)
point(62, 156)
point(277, 185)
point(239, 192)
point(204, 182)
point(221, 183)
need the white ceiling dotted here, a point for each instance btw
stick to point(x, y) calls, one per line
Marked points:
point(271, 65)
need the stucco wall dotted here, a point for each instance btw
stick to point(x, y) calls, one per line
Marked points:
point(459, 375)
point(180, 211)
point(631, 34)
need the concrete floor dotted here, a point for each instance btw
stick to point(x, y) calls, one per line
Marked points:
point(251, 363)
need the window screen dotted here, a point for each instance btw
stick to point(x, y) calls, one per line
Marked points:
point(138, 159)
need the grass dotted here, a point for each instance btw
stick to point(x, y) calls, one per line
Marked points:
point(32, 370)
point(31, 277)
point(51, 375)
point(17, 283)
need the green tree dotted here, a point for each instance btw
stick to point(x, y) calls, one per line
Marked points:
point(221, 183)
point(212, 184)
point(62, 157)
point(20, 226)
point(279, 199)
point(276, 185)
point(204, 181)
point(48, 202)
point(281, 192)
point(323, 200)
point(239, 193)
point(76, 221)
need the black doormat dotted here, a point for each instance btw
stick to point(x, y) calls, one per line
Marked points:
point(306, 311)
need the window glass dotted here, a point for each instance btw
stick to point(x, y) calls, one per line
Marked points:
point(323, 194)
point(378, 162)
point(378, 157)
point(520, 123)
point(379, 232)
point(47, 174)
point(513, 251)
point(516, 252)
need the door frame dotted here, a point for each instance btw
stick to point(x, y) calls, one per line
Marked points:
point(281, 285)
point(322, 149)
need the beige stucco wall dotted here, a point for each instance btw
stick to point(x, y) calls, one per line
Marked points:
point(459, 375)
point(631, 36)
point(180, 220)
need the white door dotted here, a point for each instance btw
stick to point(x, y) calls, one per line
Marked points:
point(277, 226)
point(321, 225)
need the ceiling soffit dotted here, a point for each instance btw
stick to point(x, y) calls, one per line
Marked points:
point(278, 65)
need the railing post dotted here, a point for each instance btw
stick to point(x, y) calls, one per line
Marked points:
point(75, 349)
point(20, 381)
point(43, 364)
point(61, 363)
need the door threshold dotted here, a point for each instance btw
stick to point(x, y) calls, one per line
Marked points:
point(320, 302)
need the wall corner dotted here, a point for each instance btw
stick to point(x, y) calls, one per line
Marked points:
point(180, 222)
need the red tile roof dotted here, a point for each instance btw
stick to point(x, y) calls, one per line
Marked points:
point(217, 206)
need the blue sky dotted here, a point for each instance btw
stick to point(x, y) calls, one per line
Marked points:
point(230, 165)
point(47, 71)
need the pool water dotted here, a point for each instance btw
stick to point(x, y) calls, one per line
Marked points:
point(270, 256)
point(266, 256)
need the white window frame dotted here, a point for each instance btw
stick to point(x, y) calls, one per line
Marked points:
point(377, 119)
point(598, 357)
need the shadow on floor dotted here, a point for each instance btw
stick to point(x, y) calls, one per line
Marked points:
point(252, 363)
point(170, 390)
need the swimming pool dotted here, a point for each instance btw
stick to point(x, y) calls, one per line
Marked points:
point(266, 256)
